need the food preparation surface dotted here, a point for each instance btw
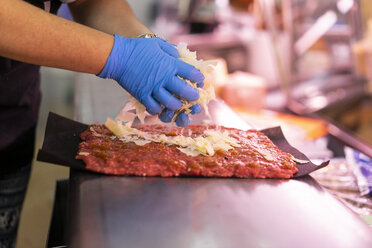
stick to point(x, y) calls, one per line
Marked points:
point(209, 212)
point(110, 211)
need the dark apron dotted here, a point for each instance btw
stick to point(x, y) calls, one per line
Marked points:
point(19, 106)
point(20, 98)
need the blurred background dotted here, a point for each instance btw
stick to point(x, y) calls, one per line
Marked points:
point(303, 64)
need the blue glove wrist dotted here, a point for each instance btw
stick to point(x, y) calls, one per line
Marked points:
point(114, 60)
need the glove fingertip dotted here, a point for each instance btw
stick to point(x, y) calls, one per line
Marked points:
point(152, 107)
point(166, 115)
point(169, 48)
point(191, 94)
point(200, 85)
point(182, 120)
point(196, 76)
point(196, 109)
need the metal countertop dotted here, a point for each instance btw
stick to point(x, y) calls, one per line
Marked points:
point(110, 211)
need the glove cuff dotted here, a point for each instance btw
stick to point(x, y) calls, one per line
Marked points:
point(108, 70)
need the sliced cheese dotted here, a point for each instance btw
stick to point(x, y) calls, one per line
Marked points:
point(299, 161)
point(84, 153)
point(206, 144)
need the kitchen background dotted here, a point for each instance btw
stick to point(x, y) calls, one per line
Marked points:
point(58, 97)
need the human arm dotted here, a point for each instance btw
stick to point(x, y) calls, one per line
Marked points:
point(31, 35)
point(116, 17)
point(110, 16)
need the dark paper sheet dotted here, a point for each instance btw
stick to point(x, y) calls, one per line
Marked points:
point(61, 143)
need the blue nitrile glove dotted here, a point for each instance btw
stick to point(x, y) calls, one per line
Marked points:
point(147, 68)
point(182, 119)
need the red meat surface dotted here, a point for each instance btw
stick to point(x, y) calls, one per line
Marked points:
point(109, 155)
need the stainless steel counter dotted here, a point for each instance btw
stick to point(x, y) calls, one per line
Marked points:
point(108, 211)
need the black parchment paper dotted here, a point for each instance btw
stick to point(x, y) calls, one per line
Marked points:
point(277, 137)
point(61, 143)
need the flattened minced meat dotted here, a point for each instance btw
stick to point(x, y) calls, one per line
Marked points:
point(105, 153)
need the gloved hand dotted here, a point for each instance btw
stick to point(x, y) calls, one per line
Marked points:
point(182, 119)
point(147, 68)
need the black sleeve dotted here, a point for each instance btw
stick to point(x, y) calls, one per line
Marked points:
point(52, 5)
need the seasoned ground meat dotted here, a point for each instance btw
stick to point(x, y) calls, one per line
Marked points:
point(104, 153)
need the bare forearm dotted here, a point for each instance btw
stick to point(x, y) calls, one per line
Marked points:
point(31, 35)
point(110, 16)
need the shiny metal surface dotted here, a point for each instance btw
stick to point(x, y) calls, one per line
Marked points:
point(110, 212)
point(199, 212)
